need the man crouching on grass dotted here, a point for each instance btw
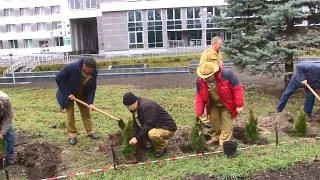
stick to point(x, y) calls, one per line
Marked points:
point(150, 122)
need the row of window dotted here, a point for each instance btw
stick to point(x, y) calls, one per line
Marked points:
point(174, 19)
point(26, 11)
point(87, 4)
point(27, 27)
point(28, 43)
point(154, 24)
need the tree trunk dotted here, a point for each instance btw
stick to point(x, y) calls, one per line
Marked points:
point(288, 66)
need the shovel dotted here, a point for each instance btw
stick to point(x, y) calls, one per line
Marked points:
point(313, 92)
point(121, 124)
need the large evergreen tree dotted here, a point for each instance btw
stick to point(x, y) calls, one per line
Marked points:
point(269, 31)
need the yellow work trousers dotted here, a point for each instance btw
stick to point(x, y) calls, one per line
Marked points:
point(221, 121)
point(86, 118)
point(157, 137)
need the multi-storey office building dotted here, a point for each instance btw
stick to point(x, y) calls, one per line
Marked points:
point(106, 26)
point(26, 26)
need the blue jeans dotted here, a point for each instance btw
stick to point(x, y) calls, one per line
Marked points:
point(291, 88)
point(9, 138)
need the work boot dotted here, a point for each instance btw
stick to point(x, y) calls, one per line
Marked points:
point(73, 141)
point(93, 136)
point(161, 153)
point(149, 147)
point(219, 149)
point(207, 125)
point(10, 161)
point(309, 119)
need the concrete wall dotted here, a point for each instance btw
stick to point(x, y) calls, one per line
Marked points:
point(105, 74)
point(115, 31)
point(100, 34)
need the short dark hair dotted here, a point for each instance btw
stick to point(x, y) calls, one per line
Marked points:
point(90, 62)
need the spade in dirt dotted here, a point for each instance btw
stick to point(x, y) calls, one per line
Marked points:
point(121, 124)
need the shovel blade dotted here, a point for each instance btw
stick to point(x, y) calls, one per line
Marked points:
point(121, 124)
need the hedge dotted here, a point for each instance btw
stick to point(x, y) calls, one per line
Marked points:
point(154, 62)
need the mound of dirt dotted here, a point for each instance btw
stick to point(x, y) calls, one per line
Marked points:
point(104, 146)
point(239, 131)
point(284, 120)
point(179, 143)
point(316, 117)
point(40, 159)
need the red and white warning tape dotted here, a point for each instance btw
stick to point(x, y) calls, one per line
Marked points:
point(175, 158)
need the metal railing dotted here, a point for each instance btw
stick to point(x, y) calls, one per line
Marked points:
point(14, 67)
point(31, 66)
point(41, 59)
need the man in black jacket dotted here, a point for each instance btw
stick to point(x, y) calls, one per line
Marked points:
point(150, 121)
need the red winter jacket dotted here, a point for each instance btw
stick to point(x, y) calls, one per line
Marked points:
point(230, 92)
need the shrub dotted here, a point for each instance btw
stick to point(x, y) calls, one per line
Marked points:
point(251, 132)
point(3, 151)
point(197, 138)
point(300, 127)
point(127, 149)
point(1, 70)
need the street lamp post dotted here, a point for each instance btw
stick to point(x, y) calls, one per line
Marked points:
point(12, 71)
point(65, 40)
point(203, 16)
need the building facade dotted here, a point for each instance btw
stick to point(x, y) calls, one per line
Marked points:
point(144, 26)
point(106, 26)
point(31, 26)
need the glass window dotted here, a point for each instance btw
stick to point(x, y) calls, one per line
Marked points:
point(155, 28)
point(58, 41)
point(174, 16)
point(26, 27)
point(74, 4)
point(13, 44)
point(135, 29)
point(89, 4)
point(27, 43)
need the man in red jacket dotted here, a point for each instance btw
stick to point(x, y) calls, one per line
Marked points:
point(221, 92)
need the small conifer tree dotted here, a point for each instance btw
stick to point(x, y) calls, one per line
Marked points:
point(197, 138)
point(251, 130)
point(127, 149)
point(2, 148)
point(300, 127)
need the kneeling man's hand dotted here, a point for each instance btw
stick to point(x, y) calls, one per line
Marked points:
point(133, 141)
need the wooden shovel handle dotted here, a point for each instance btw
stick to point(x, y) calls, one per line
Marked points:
point(313, 92)
point(100, 111)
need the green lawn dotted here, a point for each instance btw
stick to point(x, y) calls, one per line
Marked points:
point(36, 110)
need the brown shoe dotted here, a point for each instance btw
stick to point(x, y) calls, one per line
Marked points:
point(212, 142)
point(219, 149)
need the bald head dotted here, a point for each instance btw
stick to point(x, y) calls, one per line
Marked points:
point(216, 43)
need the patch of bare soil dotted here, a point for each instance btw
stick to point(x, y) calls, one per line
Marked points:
point(316, 117)
point(40, 159)
point(300, 171)
point(283, 120)
point(104, 146)
point(177, 145)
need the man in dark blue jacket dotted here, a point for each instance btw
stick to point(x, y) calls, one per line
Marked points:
point(305, 73)
point(77, 79)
